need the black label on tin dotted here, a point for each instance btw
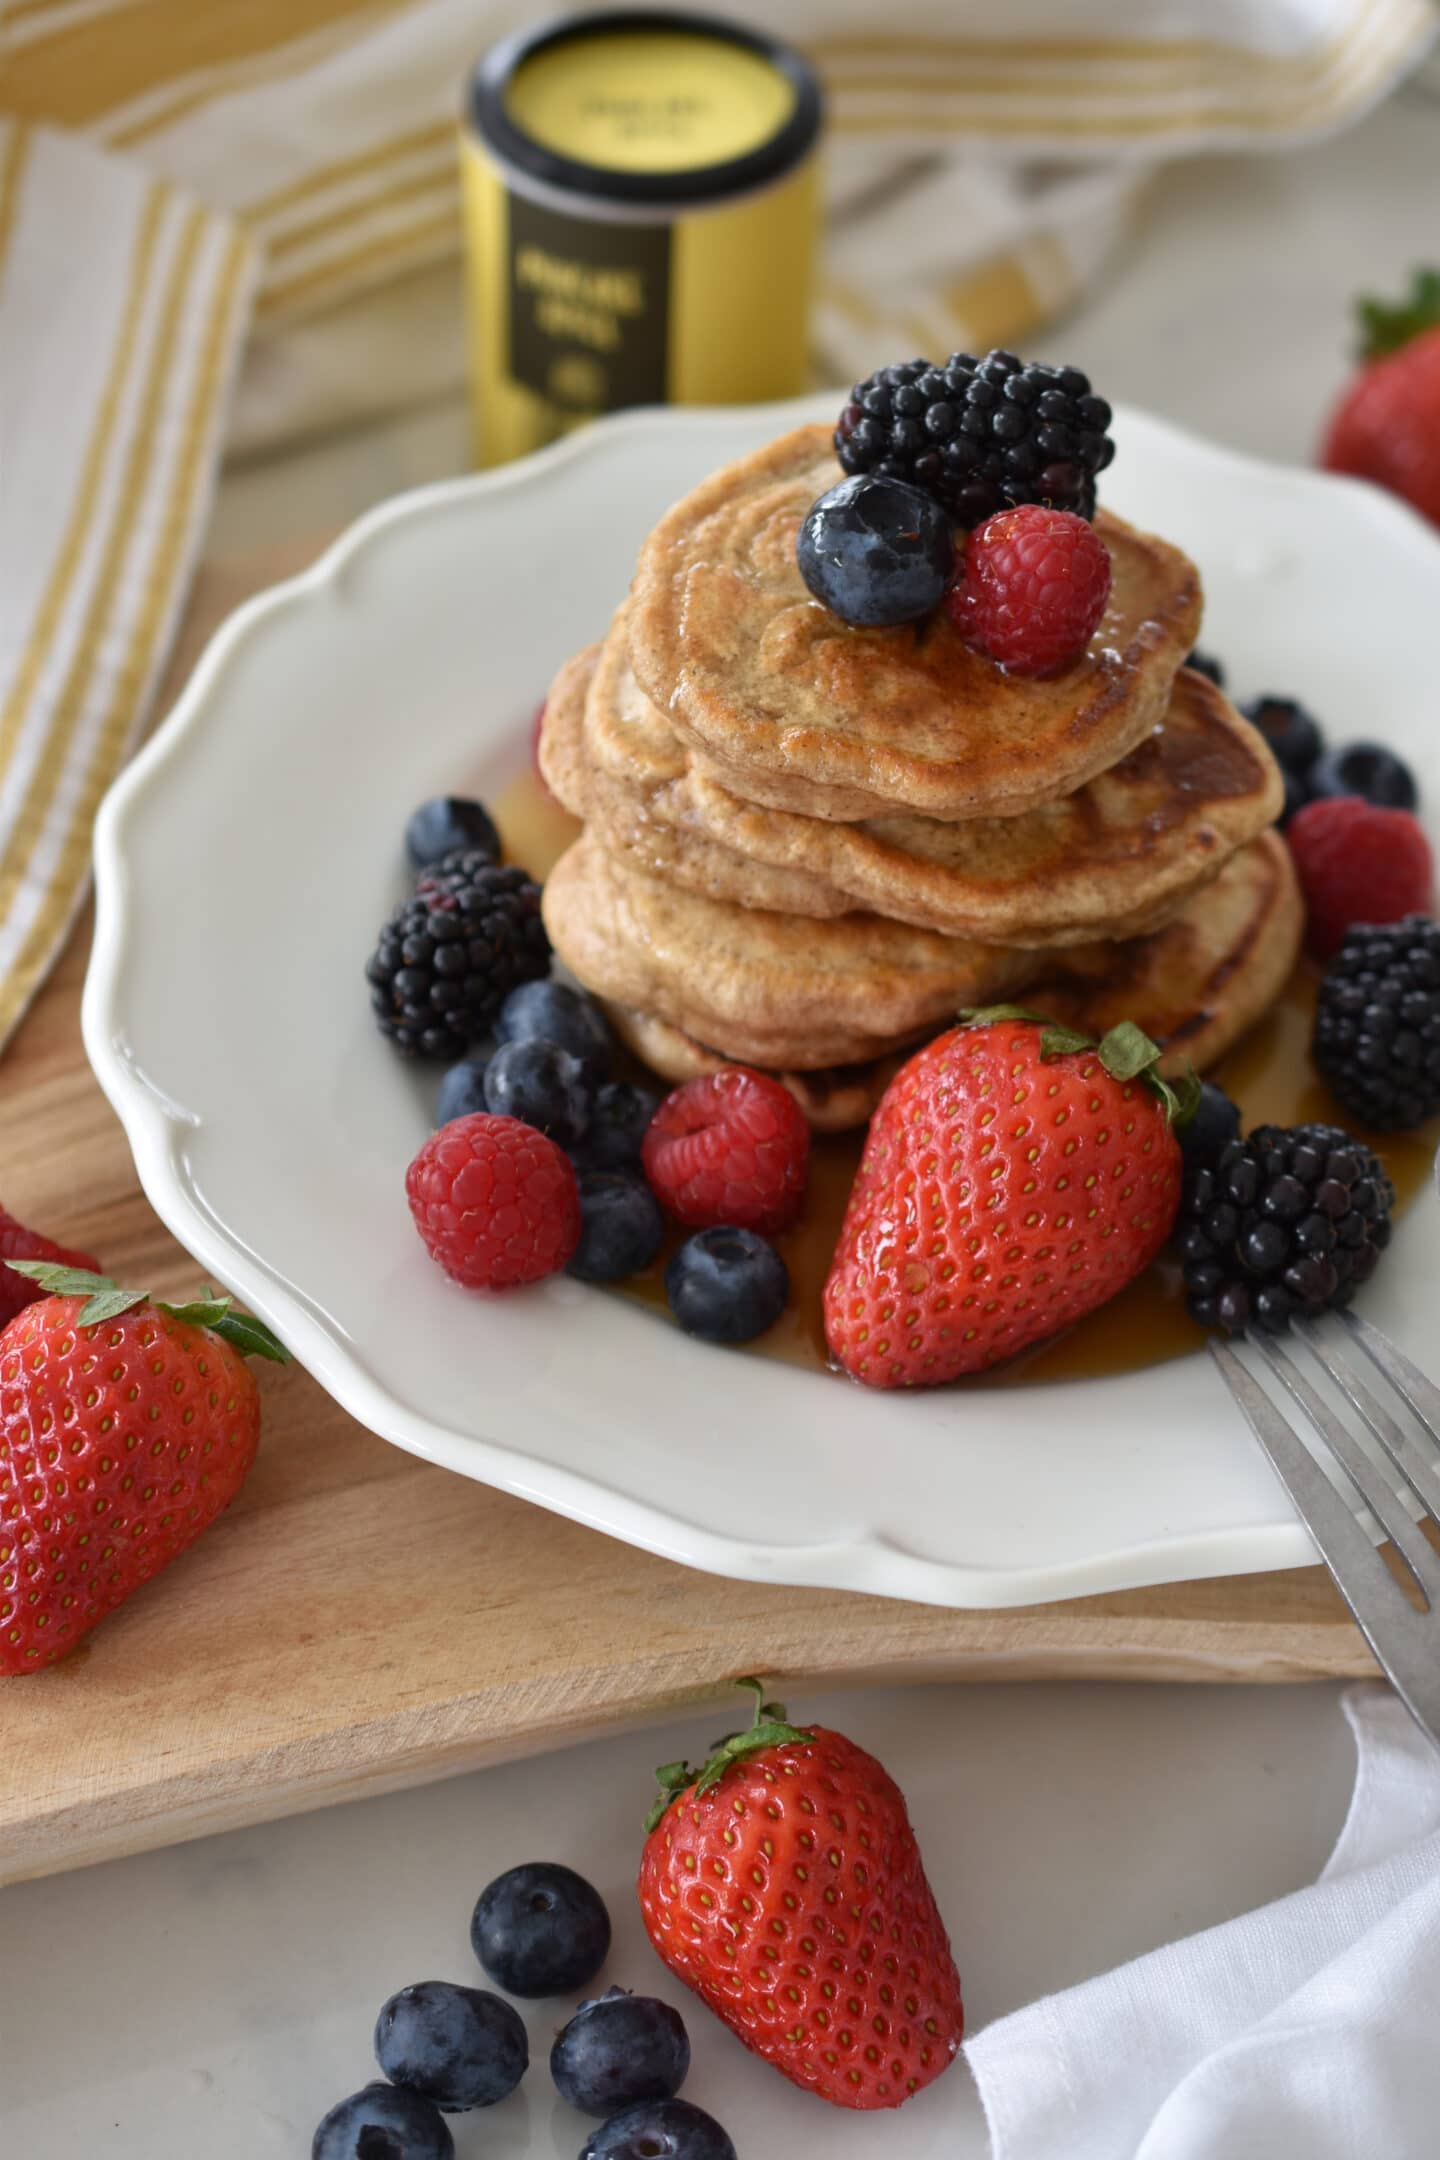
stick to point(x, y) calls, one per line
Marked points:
point(589, 309)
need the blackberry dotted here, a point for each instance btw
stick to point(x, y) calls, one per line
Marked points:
point(980, 435)
point(1285, 1224)
point(448, 956)
point(1377, 1024)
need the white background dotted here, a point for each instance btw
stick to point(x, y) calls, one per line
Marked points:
point(209, 2003)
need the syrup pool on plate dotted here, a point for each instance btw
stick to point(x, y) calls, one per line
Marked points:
point(1269, 1074)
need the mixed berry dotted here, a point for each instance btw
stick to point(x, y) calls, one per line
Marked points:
point(1034, 590)
point(972, 486)
point(620, 2049)
point(1284, 1225)
point(1377, 1025)
point(968, 498)
point(980, 435)
point(539, 1931)
point(447, 956)
point(544, 1158)
point(736, 1904)
point(877, 552)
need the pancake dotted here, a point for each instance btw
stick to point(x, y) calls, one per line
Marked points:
point(1116, 858)
point(650, 820)
point(797, 710)
point(767, 989)
point(1197, 988)
point(1203, 981)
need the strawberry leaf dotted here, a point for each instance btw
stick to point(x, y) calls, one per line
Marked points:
point(201, 1312)
point(1387, 325)
point(1127, 1051)
point(251, 1337)
point(976, 1016)
point(1063, 1042)
point(767, 1730)
point(105, 1300)
point(58, 1280)
point(108, 1305)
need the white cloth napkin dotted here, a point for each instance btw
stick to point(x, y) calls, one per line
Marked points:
point(1304, 2031)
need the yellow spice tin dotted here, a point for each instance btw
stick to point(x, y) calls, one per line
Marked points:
point(641, 213)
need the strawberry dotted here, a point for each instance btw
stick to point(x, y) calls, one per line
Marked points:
point(126, 1426)
point(1016, 1176)
point(782, 1882)
point(1386, 427)
point(18, 1243)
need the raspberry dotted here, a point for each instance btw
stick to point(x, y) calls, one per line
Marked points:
point(18, 1243)
point(1358, 863)
point(1032, 588)
point(494, 1201)
point(730, 1149)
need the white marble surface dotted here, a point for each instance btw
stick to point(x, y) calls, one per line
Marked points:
point(210, 2002)
point(213, 2000)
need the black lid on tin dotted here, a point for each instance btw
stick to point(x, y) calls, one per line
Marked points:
point(692, 185)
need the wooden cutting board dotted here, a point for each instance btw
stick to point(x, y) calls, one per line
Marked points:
point(361, 1621)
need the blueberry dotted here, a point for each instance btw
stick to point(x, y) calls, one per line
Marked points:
point(659, 2130)
point(1292, 733)
point(621, 1227)
point(542, 1085)
point(876, 551)
point(1369, 770)
point(619, 1122)
point(554, 1013)
point(383, 2123)
point(1215, 1124)
point(619, 2049)
point(458, 2046)
point(727, 1286)
point(462, 1091)
point(540, 1929)
point(1203, 664)
point(450, 822)
point(1297, 793)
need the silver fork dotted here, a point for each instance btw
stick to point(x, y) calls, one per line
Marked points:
point(1404, 1637)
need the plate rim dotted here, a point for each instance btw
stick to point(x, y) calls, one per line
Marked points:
point(868, 1560)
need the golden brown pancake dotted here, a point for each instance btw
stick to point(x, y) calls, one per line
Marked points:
point(1203, 981)
point(1116, 858)
point(650, 819)
point(798, 710)
point(1197, 987)
point(767, 989)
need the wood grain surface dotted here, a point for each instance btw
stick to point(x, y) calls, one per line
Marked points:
point(360, 1620)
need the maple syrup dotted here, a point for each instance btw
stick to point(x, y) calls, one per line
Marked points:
point(1269, 1074)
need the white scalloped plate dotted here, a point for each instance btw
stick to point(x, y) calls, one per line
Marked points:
point(246, 856)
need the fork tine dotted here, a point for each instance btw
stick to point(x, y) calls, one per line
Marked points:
point(1407, 1380)
point(1368, 1479)
point(1334, 1527)
point(1419, 1473)
point(1403, 1640)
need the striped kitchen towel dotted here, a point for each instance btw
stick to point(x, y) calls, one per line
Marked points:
point(181, 179)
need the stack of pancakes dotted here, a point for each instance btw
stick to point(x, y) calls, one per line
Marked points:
point(808, 846)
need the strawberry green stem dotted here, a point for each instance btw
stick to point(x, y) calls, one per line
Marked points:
point(105, 1300)
point(767, 1728)
point(1387, 325)
point(1126, 1053)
